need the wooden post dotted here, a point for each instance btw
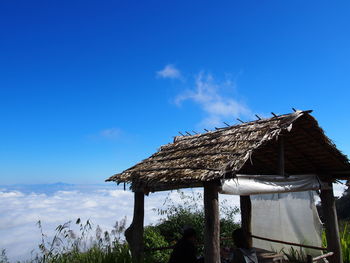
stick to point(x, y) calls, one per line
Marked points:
point(134, 234)
point(212, 223)
point(331, 224)
point(246, 217)
point(281, 156)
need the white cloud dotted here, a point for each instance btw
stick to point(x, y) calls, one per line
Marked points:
point(10, 194)
point(339, 189)
point(103, 205)
point(169, 72)
point(19, 213)
point(112, 133)
point(207, 95)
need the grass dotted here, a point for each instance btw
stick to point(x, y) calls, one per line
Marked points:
point(295, 255)
point(344, 241)
point(298, 255)
point(86, 245)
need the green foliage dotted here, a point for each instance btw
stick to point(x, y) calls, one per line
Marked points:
point(117, 254)
point(227, 221)
point(3, 257)
point(295, 255)
point(324, 239)
point(190, 213)
point(172, 227)
point(345, 243)
point(153, 239)
point(179, 216)
point(83, 247)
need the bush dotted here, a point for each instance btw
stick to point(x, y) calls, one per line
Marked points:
point(153, 239)
point(190, 213)
point(172, 227)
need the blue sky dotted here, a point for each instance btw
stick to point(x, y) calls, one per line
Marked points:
point(88, 88)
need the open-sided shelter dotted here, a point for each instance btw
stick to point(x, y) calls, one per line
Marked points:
point(286, 145)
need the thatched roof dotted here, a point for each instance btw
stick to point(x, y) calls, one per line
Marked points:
point(248, 148)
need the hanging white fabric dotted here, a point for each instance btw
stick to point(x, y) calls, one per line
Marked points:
point(267, 184)
point(288, 217)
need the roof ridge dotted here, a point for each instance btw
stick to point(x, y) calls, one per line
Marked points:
point(218, 130)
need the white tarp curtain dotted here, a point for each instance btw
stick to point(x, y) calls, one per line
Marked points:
point(283, 208)
point(290, 217)
point(268, 184)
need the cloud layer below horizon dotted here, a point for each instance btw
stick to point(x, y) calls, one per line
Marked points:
point(22, 208)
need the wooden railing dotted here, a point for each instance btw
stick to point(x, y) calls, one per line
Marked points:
point(310, 259)
point(290, 243)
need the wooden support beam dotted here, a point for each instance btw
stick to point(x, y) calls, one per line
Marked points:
point(212, 223)
point(134, 234)
point(331, 224)
point(281, 156)
point(246, 217)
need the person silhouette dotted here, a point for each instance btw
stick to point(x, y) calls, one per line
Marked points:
point(243, 253)
point(185, 250)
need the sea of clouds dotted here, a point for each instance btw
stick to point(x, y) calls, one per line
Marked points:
point(22, 206)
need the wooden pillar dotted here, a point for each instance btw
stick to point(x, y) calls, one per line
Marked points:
point(246, 217)
point(281, 156)
point(212, 223)
point(134, 234)
point(331, 224)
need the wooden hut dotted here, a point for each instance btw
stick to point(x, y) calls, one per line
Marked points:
point(288, 144)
